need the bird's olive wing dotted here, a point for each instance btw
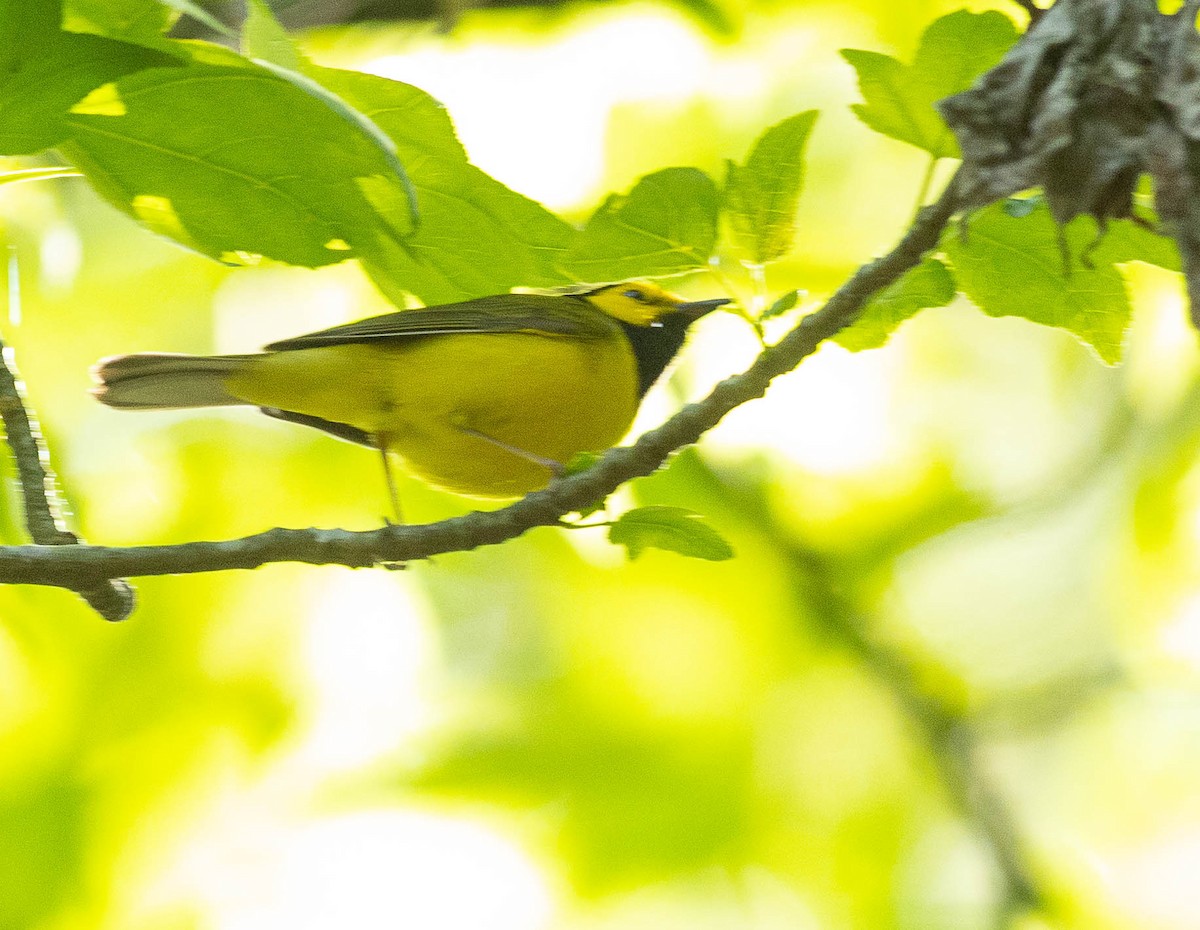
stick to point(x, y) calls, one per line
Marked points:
point(503, 313)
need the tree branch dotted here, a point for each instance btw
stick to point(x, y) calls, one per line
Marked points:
point(113, 599)
point(951, 741)
point(84, 565)
point(830, 589)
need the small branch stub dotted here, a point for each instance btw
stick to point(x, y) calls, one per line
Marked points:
point(113, 599)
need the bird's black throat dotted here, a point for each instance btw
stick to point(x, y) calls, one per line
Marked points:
point(655, 346)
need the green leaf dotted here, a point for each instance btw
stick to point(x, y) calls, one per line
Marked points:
point(265, 39)
point(45, 71)
point(761, 197)
point(118, 18)
point(958, 47)
point(930, 284)
point(269, 44)
point(781, 306)
point(672, 528)
point(1013, 266)
point(281, 179)
point(666, 225)
point(198, 13)
point(419, 126)
point(953, 52)
point(237, 160)
point(476, 236)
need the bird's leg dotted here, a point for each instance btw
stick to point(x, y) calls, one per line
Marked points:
point(390, 477)
point(557, 469)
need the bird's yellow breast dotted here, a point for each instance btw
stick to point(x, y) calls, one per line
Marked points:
point(423, 398)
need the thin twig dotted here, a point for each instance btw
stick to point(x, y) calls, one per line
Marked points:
point(72, 565)
point(952, 744)
point(926, 184)
point(828, 591)
point(112, 599)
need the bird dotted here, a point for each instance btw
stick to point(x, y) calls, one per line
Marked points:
point(487, 398)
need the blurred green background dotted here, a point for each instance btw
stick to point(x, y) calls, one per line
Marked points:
point(950, 681)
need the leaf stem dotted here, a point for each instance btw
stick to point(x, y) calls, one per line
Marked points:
point(758, 276)
point(926, 185)
point(737, 308)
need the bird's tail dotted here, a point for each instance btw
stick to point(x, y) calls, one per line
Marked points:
point(154, 380)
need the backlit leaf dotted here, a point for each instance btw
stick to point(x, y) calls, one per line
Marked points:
point(672, 528)
point(118, 18)
point(265, 39)
point(666, 225)
point(930, 284)
point(246, 161)
point(45, 71)
point(475, 236)
point(1014, 266)
point(953, 52)
point(761, 196)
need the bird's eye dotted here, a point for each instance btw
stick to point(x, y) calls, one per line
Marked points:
point(634, 294)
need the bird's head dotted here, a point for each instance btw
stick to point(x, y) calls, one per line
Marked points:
point(644, 303)
point(654, 320)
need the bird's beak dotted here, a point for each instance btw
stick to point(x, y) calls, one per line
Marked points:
point(697, 308)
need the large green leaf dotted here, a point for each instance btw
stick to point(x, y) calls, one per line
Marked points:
point(666, 225)
point(930, 284)
point(198, 13)
point(135, 19)
point(476, 236)
point(762, 195)
point(953, 51)
point(264, 38)
point(45, 71)
point(1014, 266)
point(236, 160)
point(119, 18)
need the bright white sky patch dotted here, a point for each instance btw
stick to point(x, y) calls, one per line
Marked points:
point(535, 115)
point(1155, 885)
point(249, 870)
point(832, 415)
point(1181, 638)
point(368, 642)
point(259, 855)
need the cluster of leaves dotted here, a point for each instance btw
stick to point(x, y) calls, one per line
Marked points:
point(265, 154)
point(1009, 258)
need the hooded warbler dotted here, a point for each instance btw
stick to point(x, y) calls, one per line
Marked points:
point(486, 397)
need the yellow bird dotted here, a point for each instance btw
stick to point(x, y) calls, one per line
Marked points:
point(488, 397)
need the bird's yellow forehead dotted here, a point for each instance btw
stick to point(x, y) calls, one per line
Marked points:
point(638, 302)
